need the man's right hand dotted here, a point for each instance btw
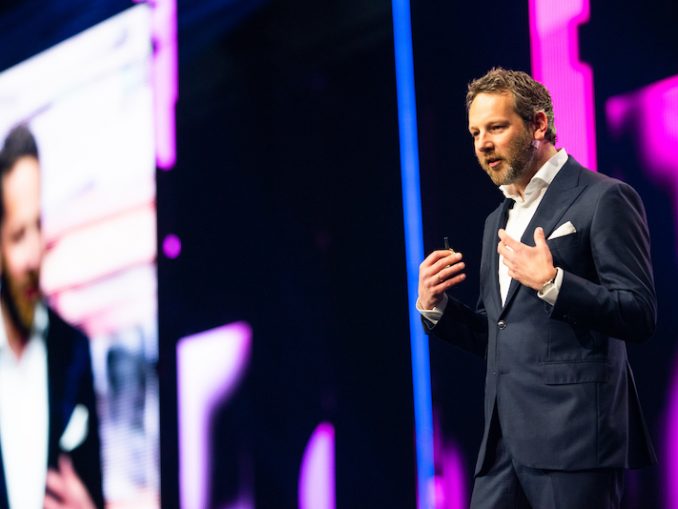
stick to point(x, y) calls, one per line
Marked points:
point(65, 490)
point(439, 271)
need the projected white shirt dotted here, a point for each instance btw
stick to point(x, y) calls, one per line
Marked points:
point(24, 416)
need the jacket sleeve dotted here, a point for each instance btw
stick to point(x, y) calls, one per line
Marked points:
point(461, 326)
point(622, 302)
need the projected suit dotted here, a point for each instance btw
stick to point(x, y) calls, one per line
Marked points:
point(48, 414)
point(70, 384)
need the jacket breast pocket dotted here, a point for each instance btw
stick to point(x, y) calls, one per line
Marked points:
point(561, 373)
point(565, 247)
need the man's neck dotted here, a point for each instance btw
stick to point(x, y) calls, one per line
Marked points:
point(16, 339)
point(543, 154)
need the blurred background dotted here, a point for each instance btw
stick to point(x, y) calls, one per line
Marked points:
point(223, 209)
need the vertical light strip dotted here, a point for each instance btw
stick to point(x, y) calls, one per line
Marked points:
point(414, 250)
point(450, 485)
point(165, 80)
point(671, 444)
point(316, 477)
point(556, 63)
point(210, 366)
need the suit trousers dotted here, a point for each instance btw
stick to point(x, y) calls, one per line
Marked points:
point(505, 484)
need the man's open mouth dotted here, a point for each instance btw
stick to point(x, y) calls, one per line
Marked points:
point(493, 162)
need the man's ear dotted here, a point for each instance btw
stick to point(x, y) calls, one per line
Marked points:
point(540, 124)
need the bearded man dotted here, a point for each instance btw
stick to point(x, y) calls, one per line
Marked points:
point(49, 437)
point(566, 280)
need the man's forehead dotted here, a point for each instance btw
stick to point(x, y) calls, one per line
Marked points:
point(489, 104)
point(25, 167)
point(21, 181)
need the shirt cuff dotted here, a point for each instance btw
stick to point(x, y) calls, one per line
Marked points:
point(433, 315)
point(550, 293)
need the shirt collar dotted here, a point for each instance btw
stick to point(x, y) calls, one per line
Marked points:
point(539, 181)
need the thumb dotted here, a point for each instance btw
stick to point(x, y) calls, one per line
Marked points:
point(539, 238)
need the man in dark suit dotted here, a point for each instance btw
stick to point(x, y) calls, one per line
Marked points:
point(49, 438)
point(566, 281)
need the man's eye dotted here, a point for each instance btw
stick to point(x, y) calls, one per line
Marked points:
point(17, 235)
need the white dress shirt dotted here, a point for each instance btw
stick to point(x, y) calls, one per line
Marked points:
point(519, 217)
point(24, 416)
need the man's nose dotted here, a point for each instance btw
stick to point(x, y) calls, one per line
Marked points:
point(484, 144)
point(34, 255)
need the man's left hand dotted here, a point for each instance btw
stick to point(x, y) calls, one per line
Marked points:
point(530, 266)
point(65, 490)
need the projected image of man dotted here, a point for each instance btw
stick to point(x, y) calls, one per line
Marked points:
point(49, 441)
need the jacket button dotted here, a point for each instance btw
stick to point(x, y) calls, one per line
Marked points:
point(501, 324)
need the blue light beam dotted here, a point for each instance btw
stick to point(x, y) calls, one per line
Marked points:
point(414, 249)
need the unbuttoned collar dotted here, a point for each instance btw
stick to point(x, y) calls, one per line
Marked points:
point(539, 181)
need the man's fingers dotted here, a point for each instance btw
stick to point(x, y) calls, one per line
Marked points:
point(441, 273)
point(77, 491)
point(539, 237)
point(435, 256)
point(445, 262)
point(66, 467)
point(450, 271)
point(55, 483)
point(427, 272)
point(505, 251)
point(508, 240)
point(455, 280)
point(52, 503)
point(447, 283)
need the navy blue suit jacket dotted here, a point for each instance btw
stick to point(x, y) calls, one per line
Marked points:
point(70, 383)
point(558, 376)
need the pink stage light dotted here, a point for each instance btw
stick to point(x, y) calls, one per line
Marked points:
point(450, 475)
point(449, 480)
point(650, 117)
point(671, 444)
point(171, 246)
point(316, 479)
point(210, 366)
point(651, 114)
point(556, 64)
point(165, 80)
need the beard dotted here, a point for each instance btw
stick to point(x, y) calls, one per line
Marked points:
point(517, 162)
point(19, 307)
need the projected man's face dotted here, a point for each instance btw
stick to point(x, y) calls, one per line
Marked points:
point(21, 243)
point(502, 141)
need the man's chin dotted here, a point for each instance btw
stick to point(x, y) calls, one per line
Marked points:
point(498, 178)
point(27, 313)
point(25, 310)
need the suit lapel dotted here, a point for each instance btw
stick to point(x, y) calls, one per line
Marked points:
point(561, 193)
point(491, 246)
point(56, 387)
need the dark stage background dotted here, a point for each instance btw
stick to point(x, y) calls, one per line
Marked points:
point(286, 196)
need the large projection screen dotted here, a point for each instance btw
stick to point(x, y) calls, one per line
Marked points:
point(89, 103)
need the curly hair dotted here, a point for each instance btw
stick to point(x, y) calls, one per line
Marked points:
point(530, 96)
